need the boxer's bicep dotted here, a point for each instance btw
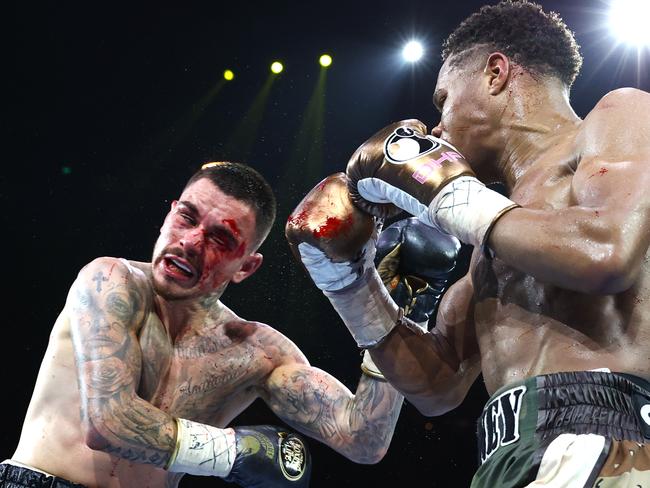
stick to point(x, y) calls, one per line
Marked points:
point(358, 426)
point(595, 241)
point(613, 175)
point(105, 307)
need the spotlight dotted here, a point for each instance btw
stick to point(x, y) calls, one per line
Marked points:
point(228, 75)
point(325, 60)
point(628, 20)
point(276, 67)
point(412, 51)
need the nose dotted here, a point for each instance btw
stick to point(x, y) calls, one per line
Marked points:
point(193, 240)
point(437, 130)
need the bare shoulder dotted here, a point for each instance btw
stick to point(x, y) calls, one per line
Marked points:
point(108, 266)
point(105, 274)
point(622, 101)
point(618, 126)
point(277, 347)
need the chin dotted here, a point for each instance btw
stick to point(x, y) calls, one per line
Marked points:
point(169, 291)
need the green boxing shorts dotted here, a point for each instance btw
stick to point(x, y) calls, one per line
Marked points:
point(576, 429)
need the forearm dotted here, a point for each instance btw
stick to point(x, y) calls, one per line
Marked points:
point(424, 369)
point(358, 426)
point(370, 418)
point(577, 248)
point(131, 428)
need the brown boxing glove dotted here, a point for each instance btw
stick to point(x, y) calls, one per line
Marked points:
point(335, 242)
point(401, 167)
point(327, 219)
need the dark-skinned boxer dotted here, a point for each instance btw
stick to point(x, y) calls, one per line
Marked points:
point(554, 310)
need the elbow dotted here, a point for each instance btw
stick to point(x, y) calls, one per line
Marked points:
point(95, 428)
point(375, 457)
point(434, 406)
point(611, 272)
point(92, 435)
point(369, 457)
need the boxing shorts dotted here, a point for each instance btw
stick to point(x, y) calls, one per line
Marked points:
point(15, 476)
point(575, 429)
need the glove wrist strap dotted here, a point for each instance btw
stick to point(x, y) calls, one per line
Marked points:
point(366, 308)
point(467, 209)
point(202, 450)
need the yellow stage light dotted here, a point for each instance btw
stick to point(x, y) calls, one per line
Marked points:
point(276, 67)
point(325, 60)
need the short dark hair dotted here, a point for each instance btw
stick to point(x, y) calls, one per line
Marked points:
point(537, 40)
point(246, 185)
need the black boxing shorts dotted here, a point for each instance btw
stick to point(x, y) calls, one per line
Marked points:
point(576, 429)
point(12, 476)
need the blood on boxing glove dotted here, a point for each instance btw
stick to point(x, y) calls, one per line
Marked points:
point(335, 242)
point(330, 236)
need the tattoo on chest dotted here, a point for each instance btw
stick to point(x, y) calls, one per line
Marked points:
point(200, 347)
point(206, 385)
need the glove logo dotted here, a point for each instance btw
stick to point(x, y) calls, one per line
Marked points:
point(645, 413)
point(293, 457)
point(405, 144)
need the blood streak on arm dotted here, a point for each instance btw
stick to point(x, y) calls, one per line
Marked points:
point(601, 172)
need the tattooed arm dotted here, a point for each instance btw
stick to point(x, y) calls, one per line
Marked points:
point(359, 426)
point(108, 304)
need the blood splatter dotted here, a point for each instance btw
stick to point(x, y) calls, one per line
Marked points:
point(114, 463)
point(600, 172)
point(332, 227)
point(299, 220)
point(230, 223)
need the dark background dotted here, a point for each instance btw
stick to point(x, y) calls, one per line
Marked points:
point(111, 107)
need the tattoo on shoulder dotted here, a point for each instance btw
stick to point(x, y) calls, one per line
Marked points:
point(118, 306)
point(98, 279)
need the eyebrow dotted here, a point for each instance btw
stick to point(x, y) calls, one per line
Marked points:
point(190, 206)
point(222, 230)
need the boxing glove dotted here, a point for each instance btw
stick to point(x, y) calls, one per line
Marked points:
point(335, 242)
point(270, 457)
point(254, 457)
point(403, 167)
point(414, 262)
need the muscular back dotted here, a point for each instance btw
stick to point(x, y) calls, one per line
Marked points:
point(577, 319)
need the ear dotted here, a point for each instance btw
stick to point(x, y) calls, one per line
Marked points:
point(250, 265)
point(171, 209)
point(497, 69)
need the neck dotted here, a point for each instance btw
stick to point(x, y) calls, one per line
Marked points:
point(536, 117)
point(193, 314)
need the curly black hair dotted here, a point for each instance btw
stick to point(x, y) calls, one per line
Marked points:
point(537, 40)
